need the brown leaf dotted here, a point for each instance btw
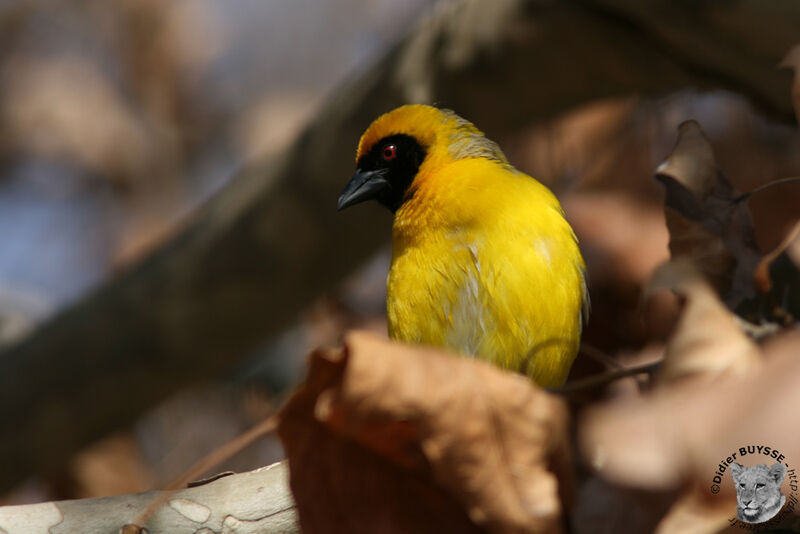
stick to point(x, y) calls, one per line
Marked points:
point(625, 440)
point(707, 222)
point(707, 340)
point(679, 435)
point(384, 437)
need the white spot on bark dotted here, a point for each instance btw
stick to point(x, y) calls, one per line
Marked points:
point(191, 510)
point(31, 519)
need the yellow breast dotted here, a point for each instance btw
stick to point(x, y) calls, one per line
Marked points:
point(485, 264)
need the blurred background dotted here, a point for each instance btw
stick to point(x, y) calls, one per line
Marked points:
point(117, 120)
point(123, 124)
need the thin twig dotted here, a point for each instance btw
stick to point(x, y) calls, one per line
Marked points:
point(599, 356)
point(745, 196)
point(599, 380)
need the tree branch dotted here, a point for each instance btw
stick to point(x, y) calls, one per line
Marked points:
point(255, 502)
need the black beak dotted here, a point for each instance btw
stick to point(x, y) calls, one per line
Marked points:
point(363, 185)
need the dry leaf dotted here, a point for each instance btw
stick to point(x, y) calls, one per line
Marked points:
point(384, 437)
point(759, 410)
point(707, 340)
point(625, 440)
point(662, 439)
point(676, 437)
point(706, 222)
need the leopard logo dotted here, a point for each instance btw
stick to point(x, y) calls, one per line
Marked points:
point(758, 491)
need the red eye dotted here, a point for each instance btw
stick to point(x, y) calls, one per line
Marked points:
point(389, 152)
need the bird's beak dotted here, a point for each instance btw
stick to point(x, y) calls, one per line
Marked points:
point(363, 185)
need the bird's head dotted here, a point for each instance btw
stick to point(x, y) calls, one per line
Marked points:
point(407, 143)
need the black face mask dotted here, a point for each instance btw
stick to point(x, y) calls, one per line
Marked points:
point(384, 173)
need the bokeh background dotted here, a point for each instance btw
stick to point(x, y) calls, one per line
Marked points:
point(117, 121)
point(121, 123)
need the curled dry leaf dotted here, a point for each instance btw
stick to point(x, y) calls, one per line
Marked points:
point(706, 218)
point(384, 437)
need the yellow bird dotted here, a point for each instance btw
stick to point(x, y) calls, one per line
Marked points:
point(483, 261)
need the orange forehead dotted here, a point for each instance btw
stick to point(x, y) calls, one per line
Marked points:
point(421, 122)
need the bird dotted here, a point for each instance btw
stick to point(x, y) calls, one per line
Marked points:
point(484, 262)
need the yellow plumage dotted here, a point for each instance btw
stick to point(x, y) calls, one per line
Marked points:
point(483, 261)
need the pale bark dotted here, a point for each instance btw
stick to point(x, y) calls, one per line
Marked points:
point(248, 503)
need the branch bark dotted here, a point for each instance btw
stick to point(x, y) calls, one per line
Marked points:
point(248, 503)
point(272, 241)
